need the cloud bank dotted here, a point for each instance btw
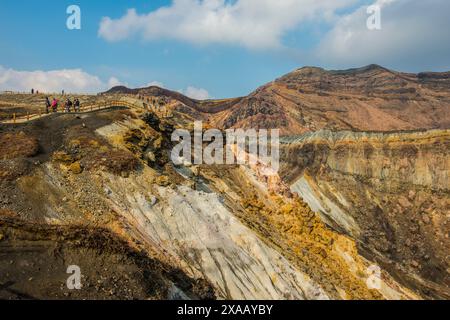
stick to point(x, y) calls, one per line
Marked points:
point(70, 80)
point(255, 24)
point(196, 93)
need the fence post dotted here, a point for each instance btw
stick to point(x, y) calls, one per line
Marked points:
point(14, 117)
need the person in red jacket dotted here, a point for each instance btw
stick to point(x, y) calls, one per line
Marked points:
point(55, 105)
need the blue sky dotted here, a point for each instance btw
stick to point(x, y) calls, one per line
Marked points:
point(228, 57)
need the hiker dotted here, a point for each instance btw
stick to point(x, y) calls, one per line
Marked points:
point(32, 91)
point(77, 105)
point(47, 105)
point(55, 105)
point(68, 105)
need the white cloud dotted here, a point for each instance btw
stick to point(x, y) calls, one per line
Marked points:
point(114, 82)
point(414, 34)
point(70, 80)
point(196, 93)
point(258, 24)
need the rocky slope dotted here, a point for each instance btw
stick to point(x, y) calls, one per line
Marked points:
point(391, 192)
point(225, 232)
point(35, 260)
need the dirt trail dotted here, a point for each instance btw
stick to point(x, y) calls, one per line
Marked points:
point(84, 110)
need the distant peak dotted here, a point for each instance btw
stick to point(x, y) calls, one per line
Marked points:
point(370, 67)
point(152, 87)
point(119, 87)
point(309, 68)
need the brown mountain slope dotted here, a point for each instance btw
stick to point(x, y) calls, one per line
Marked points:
point(366, 99)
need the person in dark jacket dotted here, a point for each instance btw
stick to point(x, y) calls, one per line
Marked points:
point(77, 105)
point(47, 105)
point(68, 105)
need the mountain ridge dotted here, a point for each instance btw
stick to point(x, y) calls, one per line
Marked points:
point(370, 98)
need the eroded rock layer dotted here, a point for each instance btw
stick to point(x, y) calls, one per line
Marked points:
point(388, 191)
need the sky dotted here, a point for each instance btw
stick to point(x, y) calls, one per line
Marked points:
point(211, 48)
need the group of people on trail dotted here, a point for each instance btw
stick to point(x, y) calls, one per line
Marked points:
point(68, 104)
point(53, 105)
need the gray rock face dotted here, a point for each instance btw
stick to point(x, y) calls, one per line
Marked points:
point(206, 239)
